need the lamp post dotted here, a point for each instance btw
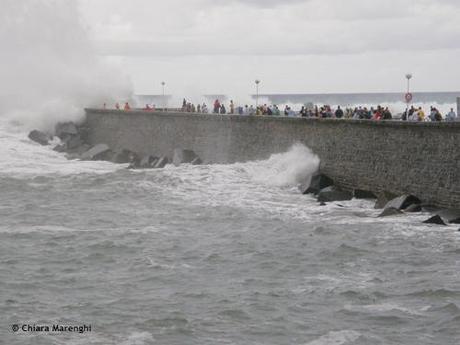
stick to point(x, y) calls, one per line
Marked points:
point(408, 95)
point(164, 99)
point(257, 81)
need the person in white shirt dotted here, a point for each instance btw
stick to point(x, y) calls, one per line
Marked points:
point(451, 116)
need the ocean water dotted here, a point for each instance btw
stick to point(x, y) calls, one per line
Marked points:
point(212, 254)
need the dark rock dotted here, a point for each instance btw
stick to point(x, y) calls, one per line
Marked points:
point(181, 156)
point(97, 152)
point(161, 163)
point(322, 203)
point(383, 198)
point(148, 161)
point(363, 194)
point(318, 182)
point(333, 194)
point(76, 153)
point(435, 220)
point(197, 161)
point(65, 129)
point(390, 211)
point(126, 156)
point(39, 137)
point(449, 216)
point(430, 208)
point(414, 208)
point(60, 148)
point(73, 142)
point(402, 202)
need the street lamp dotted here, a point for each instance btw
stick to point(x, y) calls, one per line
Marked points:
point(257, 81)
point(408, 94)
point(408, 77)
point(164, 99)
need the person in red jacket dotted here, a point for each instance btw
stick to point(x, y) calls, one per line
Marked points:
point(127, 107)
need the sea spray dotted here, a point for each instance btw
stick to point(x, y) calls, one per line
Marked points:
point(49, 68)
point(286, 169)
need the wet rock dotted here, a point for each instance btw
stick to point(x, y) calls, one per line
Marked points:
point(60, 148)
point(97, 152)
point(126, 156)
point(363, 194)
point(161, 163)
point(39, 137)
point(414, 208)
point(430, 208)
point(148, 161)
point(65, 129)
point(332, 193)
point(197, 161)
point(383, 198)
point(318, 182)
point(402, 202)
point(449, 216)
point(390, 211)
point(435, 220)
point(181, 156)
point(76, 153)
point(73, 142)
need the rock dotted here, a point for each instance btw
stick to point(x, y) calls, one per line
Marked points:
point(197, 161)
point(60, 148)
point(333, 194)
point(322, 203)
point(148, 161)
point(126, 156)
point(161, 163)
point(77, 153)
point(39, 137)
point(363, 194)
point(449, 216)
point(430, 208)
point(73, 142)
point(402, 202)
point(181, 156)
point(414, 208)
point(97, 152)
point(65, 129)
point(318, 182)
point(383, 198)
point(435, 220)
point(390, 211)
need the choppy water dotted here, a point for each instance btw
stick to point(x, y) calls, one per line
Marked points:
point(221, 254)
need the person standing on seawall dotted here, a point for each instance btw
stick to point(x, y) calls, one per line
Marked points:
point(451, 116)
point(127, 107)
point(232, 107)
point(339, 112)
point(216, 106)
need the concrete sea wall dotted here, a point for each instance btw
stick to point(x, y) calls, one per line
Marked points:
point(399, 157)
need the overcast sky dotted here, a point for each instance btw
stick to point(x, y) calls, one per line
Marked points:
point(293, 46)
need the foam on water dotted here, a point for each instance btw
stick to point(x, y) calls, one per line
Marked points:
point(337, 338)
point(22, 157)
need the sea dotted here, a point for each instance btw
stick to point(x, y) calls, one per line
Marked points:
point(211, 254)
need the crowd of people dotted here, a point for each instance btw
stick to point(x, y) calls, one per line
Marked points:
point(416, 114)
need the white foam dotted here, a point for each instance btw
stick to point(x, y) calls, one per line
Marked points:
point(337, 338)
point(21, 157)
point(138, 338)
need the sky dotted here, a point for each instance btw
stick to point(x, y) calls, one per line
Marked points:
point(292, 46)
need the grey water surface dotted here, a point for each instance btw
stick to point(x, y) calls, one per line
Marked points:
point(212, 255)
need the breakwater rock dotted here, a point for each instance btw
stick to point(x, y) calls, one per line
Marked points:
point(74, 145)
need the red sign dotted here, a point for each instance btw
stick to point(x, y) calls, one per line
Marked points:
point(408, 97)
